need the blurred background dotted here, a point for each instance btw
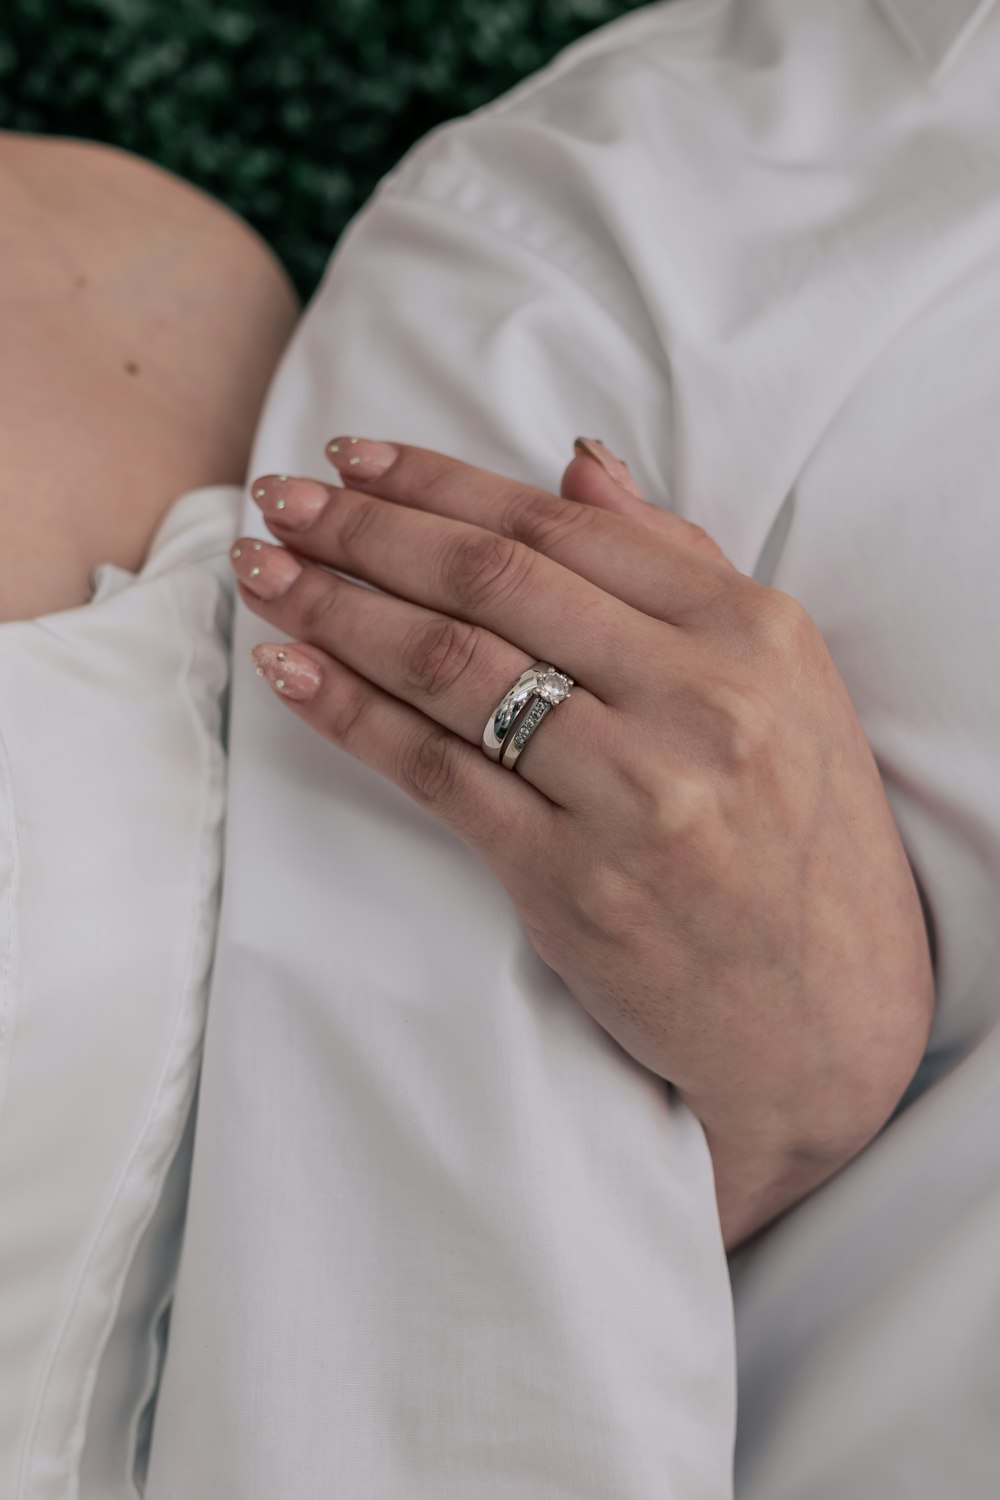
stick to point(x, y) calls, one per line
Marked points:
point(289, 112)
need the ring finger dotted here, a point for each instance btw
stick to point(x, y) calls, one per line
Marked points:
point(453, 671)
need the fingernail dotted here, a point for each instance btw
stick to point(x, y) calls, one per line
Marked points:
point(266, 571)
point(289, 671)
point(361, 458)
point(294, 503)
point(595, 449)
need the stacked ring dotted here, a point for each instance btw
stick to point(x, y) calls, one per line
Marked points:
point(520, 711)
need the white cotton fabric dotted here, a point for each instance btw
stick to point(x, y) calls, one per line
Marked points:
point(446, 1241)
point(111, 798)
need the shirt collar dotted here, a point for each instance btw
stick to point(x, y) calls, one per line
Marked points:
point(936, 31)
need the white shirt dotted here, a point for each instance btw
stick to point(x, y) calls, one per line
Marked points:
point(112, 790)
point(446, 1241)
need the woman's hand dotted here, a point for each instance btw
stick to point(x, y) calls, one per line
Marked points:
point(697, 839)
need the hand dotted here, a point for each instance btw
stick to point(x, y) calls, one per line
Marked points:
point(697, 839)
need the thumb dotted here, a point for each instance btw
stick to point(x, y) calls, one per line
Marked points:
point(596, 477)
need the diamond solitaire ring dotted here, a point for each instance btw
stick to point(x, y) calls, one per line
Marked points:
point(520, 711)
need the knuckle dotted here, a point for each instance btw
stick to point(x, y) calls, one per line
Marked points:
point(541, 521)
point(781, 625)
point(482, 568)
point(319, 607)
point(425, 477)
point(700, 541)
point(694, 532)
point(669, 802)
point(747, 720)
point(678, 804)
point(604, 900)
point(438, 653)
point(357, 515)
point(347, 715)
point(429, 766)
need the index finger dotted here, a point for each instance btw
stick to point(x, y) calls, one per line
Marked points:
point(650, 571)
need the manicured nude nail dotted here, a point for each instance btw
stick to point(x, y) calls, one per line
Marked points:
point(290, 671)
point(294, 503)
point(595, 449)
point(265, 570)
point(361, 458)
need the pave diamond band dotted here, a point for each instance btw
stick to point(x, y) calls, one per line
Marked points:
point(523, 729)
point(536, 713)
point(520, 711)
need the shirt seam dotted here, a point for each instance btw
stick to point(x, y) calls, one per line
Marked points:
point(414, 195)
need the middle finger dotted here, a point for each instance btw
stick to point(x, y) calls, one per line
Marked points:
point(453, 671)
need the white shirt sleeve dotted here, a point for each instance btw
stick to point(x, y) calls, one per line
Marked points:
point(460, 312)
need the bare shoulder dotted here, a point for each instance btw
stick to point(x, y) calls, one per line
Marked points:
point(103, 189)
point(143, 321)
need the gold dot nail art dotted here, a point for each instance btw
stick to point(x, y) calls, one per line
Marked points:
point(370, 460)
point(267, 571)
point(297, 506)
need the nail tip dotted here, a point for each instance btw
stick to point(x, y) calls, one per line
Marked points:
point(371, 462)
point(289, 673)
point(616, 468)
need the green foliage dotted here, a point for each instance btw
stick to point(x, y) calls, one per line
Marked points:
point(289, 112)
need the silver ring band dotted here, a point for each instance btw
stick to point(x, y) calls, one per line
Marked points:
point(537, 685)
point(500, 720)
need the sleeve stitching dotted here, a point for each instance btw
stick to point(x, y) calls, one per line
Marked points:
point(393, 192)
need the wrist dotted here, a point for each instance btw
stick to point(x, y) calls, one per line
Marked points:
point(756, 1185)
point(770, 1152)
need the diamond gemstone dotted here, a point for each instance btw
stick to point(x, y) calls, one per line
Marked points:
point(553, 686)
point(538, 711)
